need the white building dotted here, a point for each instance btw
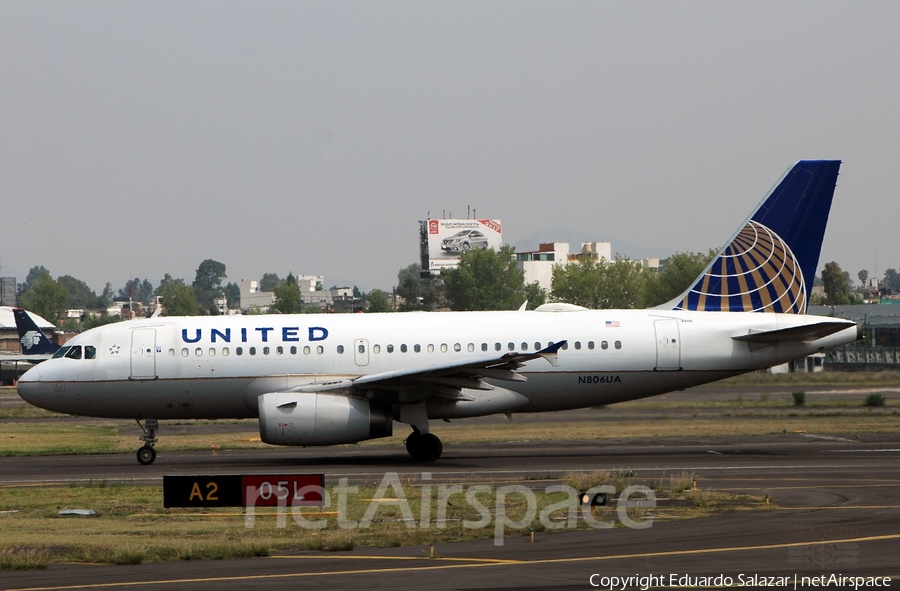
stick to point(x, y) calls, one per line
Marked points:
point(538, 264)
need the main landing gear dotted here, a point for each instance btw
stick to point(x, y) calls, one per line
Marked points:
point(425, 447)
point(146, 455)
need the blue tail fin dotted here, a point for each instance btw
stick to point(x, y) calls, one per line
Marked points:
point(33, 340)
point(769, 265)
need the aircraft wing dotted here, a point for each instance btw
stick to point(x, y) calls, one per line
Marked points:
point(447, 378)
point(809, 332)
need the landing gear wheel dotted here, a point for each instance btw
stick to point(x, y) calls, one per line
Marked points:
point(146, 455)
point(424, 447)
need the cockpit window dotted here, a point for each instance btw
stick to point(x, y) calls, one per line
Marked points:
point(90, 352)
point(74, 352)
point(61, 352)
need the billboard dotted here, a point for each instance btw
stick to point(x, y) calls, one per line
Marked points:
point(442, 241)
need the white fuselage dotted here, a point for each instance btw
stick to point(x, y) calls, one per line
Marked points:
point(217, 367)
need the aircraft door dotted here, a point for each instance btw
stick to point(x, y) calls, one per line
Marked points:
point(143, 354)
point(668, 345)
point(361, 351)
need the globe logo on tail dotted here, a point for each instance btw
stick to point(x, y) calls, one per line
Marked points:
point(757, 272)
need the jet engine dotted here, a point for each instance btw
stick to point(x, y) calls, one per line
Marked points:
point(314, 418)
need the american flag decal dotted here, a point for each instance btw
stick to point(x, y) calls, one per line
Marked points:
point(612, 324)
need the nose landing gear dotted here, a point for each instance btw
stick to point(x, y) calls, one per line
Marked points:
point(146, 455)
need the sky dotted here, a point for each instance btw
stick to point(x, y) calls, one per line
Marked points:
point(138, 139)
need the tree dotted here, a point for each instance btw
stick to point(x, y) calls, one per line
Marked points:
point(178, 299)
point(233, 294)
point(410, 288)
point(45, 297)
point(863, 276)
point(288, 299)
point(78, 294)
point(891, 280)
point(837, 285)
point(377, 301)
point(600, 284)
point(106, 298)
point(269, 281)
point(535, 295)
point(31, 279)
point(680, 271)
point(208, 281)
point(485, 280)
point(137, 290)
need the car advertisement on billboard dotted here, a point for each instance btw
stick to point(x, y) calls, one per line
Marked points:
point(442, 241)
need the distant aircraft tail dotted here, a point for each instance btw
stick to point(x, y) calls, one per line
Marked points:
point(32, 338)
point(770, 264)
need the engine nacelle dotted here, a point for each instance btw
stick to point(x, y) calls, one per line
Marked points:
point(313, 418)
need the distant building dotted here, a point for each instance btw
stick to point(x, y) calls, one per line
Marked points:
point(538, 264)
point(8, 293)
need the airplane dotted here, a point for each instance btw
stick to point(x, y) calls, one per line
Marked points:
point(34, 344)
point(318, 380)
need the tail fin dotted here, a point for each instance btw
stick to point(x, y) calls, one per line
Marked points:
point(33, 340)
point(770, 264)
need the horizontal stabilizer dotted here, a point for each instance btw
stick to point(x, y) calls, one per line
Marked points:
point(809, 332)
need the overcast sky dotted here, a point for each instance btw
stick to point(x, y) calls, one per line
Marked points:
point(138, 139)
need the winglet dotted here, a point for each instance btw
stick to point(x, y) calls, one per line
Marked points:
point(550, 353)
point(770, 263)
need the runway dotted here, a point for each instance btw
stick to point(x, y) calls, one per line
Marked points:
point(835, 510)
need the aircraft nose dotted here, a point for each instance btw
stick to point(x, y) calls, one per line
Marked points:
point(29, 385)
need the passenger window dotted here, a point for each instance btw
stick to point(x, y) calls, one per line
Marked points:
point(362, 348)
point(390, 348)
point(74, 352)
point(417, 348)
point(524, 346)
point(484, 346)
point(320, 349)
point(376, 348)
point(171, 352)
point(225, 351)
point(591, 345)
point(198, 352)
point(443, 347)
point(618, 344)
point(403, 348)
point(252, 350)
point(497, 346)
point(293, 350)
point(306, 350)
point(265, 350)
point(185, 352)
point(511, 346)
point(90, 352)
point(431, 348)
point(537, 346)
point(239, 350)
point(604, 345)
point(340, 349)
point(212, 352)
point(565, 346)
point(279, 349)
point(457, 347)
point(577, 345)
point(471, 347)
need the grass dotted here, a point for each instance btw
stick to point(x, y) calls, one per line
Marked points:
point(132, 527)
